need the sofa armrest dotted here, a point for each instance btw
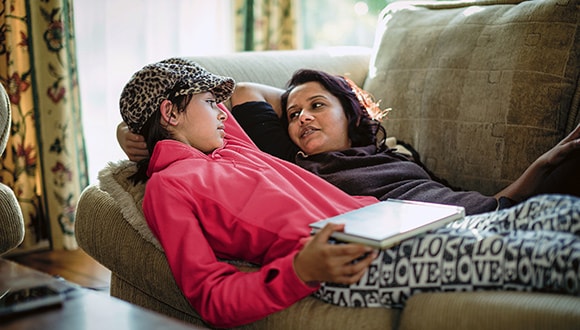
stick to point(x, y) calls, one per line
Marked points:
point(104, 234)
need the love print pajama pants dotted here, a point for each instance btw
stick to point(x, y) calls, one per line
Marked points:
point(533, 246)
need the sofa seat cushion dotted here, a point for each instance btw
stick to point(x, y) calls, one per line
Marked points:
point(490, 85)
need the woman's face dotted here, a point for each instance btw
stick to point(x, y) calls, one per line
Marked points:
point(316, 119)
point(202, 123)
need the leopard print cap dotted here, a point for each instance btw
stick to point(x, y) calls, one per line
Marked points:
point(148, 87)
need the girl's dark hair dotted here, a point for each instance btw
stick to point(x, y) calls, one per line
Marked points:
point(362, 129)
point(154, 132)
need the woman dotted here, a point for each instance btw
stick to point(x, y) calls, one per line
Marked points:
point(328, 126)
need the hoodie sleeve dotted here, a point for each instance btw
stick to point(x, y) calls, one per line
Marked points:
point(218, 291)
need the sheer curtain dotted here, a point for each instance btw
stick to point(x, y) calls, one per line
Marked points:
point(115, 38)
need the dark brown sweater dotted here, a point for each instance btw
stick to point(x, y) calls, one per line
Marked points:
point(362, 171)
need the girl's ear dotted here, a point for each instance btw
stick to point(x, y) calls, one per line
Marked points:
point(167, 112)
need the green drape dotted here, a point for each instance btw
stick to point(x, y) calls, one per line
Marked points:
point(45, 159)
point(265, 25)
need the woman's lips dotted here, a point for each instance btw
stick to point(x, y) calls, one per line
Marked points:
point(308, 131)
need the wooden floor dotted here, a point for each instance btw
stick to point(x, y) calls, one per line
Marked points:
point(74, 266)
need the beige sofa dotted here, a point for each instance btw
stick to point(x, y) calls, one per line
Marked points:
point(480, 91)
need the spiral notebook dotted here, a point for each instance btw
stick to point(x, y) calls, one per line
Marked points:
point(386, 223)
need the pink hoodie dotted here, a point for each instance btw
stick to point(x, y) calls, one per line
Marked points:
point(236, 203)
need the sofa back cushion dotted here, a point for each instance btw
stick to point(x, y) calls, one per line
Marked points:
point(275, 68)
point(479, 88)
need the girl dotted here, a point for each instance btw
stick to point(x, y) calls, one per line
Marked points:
point(211, 194)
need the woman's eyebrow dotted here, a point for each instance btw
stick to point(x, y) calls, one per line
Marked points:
point(309, 99)
point(313, 97)
point(291, 107)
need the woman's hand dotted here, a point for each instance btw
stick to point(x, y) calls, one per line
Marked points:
point(561, 151)
point(320, 261)
point(132, 144)
point(554, 168)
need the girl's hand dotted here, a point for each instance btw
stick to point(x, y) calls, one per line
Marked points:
point(320, 261)
point(132, 144)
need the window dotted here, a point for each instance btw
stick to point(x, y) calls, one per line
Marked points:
point(338, 23)
point(116, 38)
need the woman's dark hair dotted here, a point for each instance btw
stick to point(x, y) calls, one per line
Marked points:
point(362, 129)
point(154, 132)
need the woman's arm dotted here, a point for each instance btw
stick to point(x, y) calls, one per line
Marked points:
point(132, 144)
point(248, 92)
point(535, 175)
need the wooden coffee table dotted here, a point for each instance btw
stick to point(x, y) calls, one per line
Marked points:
point(81, 309)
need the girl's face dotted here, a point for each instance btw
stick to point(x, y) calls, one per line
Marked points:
point(316, 119)
point(202, 123)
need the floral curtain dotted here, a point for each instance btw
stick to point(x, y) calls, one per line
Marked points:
point(45, 160)
point(265, 25)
